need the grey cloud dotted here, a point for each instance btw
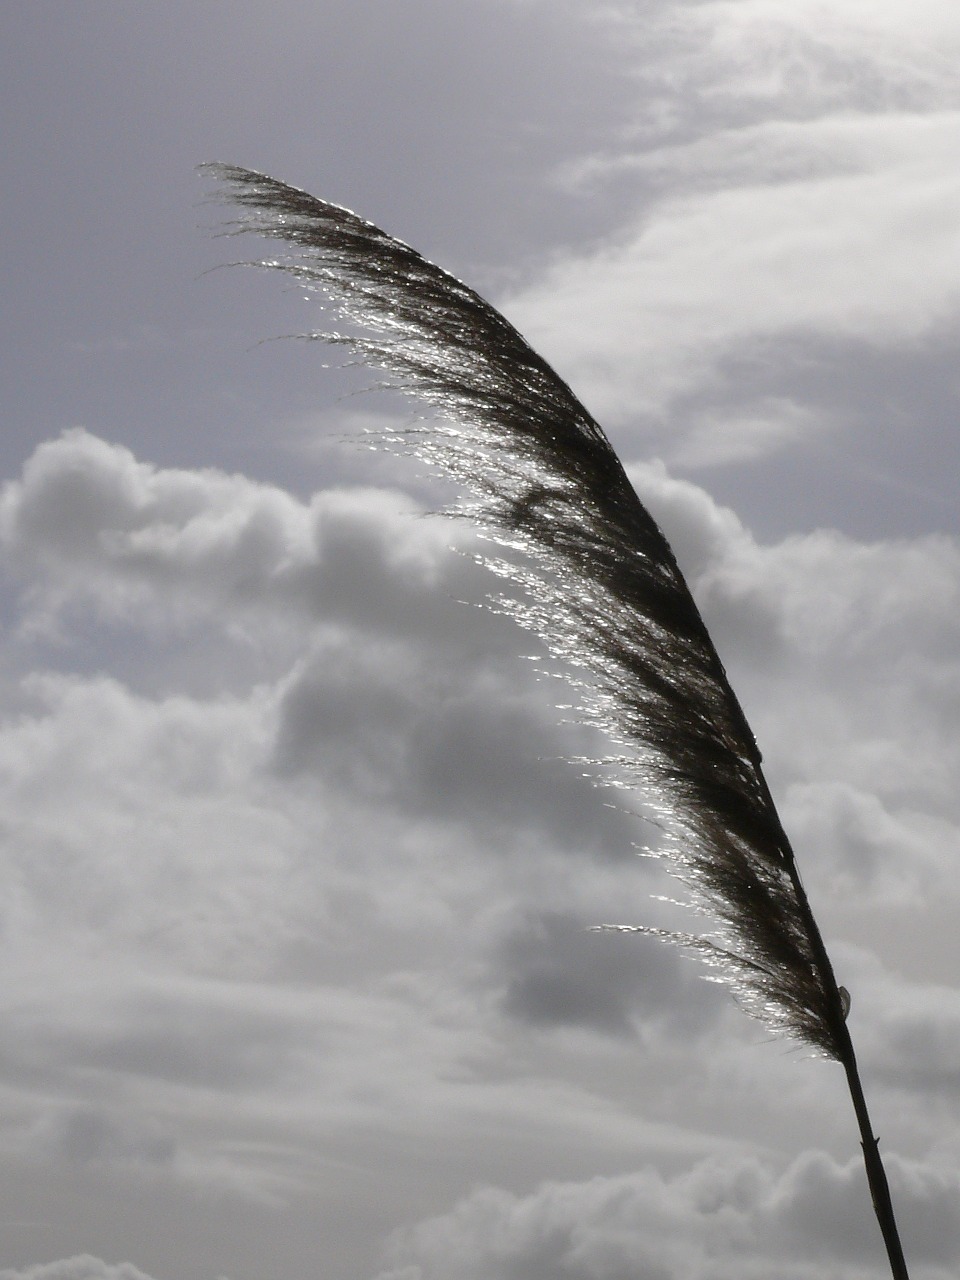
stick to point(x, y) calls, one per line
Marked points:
point(508, 756)
point(82, 1267)
point(386, 722)
point(848, 648)
point(684, 338)
point(405, 699)
point(700, 531)
point(840, 420)
point(722, 564)
point(196, 1044)
point(915, 1043)
point(747, 430)
point(89, 523)
point(466, 746)
point(558, 973)
point(656, 307)
point(869, 848)
point(446, 730)
point(200, 1037)
point(817, 66)
point(92, 1135)
point(139, 822)
point(344, 715)
point(824, 1205)
point(727, 1218)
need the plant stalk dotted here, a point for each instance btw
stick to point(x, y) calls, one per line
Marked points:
point(870, 1144)
point(876, 1174)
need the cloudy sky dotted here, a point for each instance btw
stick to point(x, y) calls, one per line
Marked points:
point(295, 879)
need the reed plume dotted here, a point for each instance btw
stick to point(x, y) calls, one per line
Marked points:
point(600, 586)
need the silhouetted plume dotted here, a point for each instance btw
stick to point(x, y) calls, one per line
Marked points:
point(601, 588)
